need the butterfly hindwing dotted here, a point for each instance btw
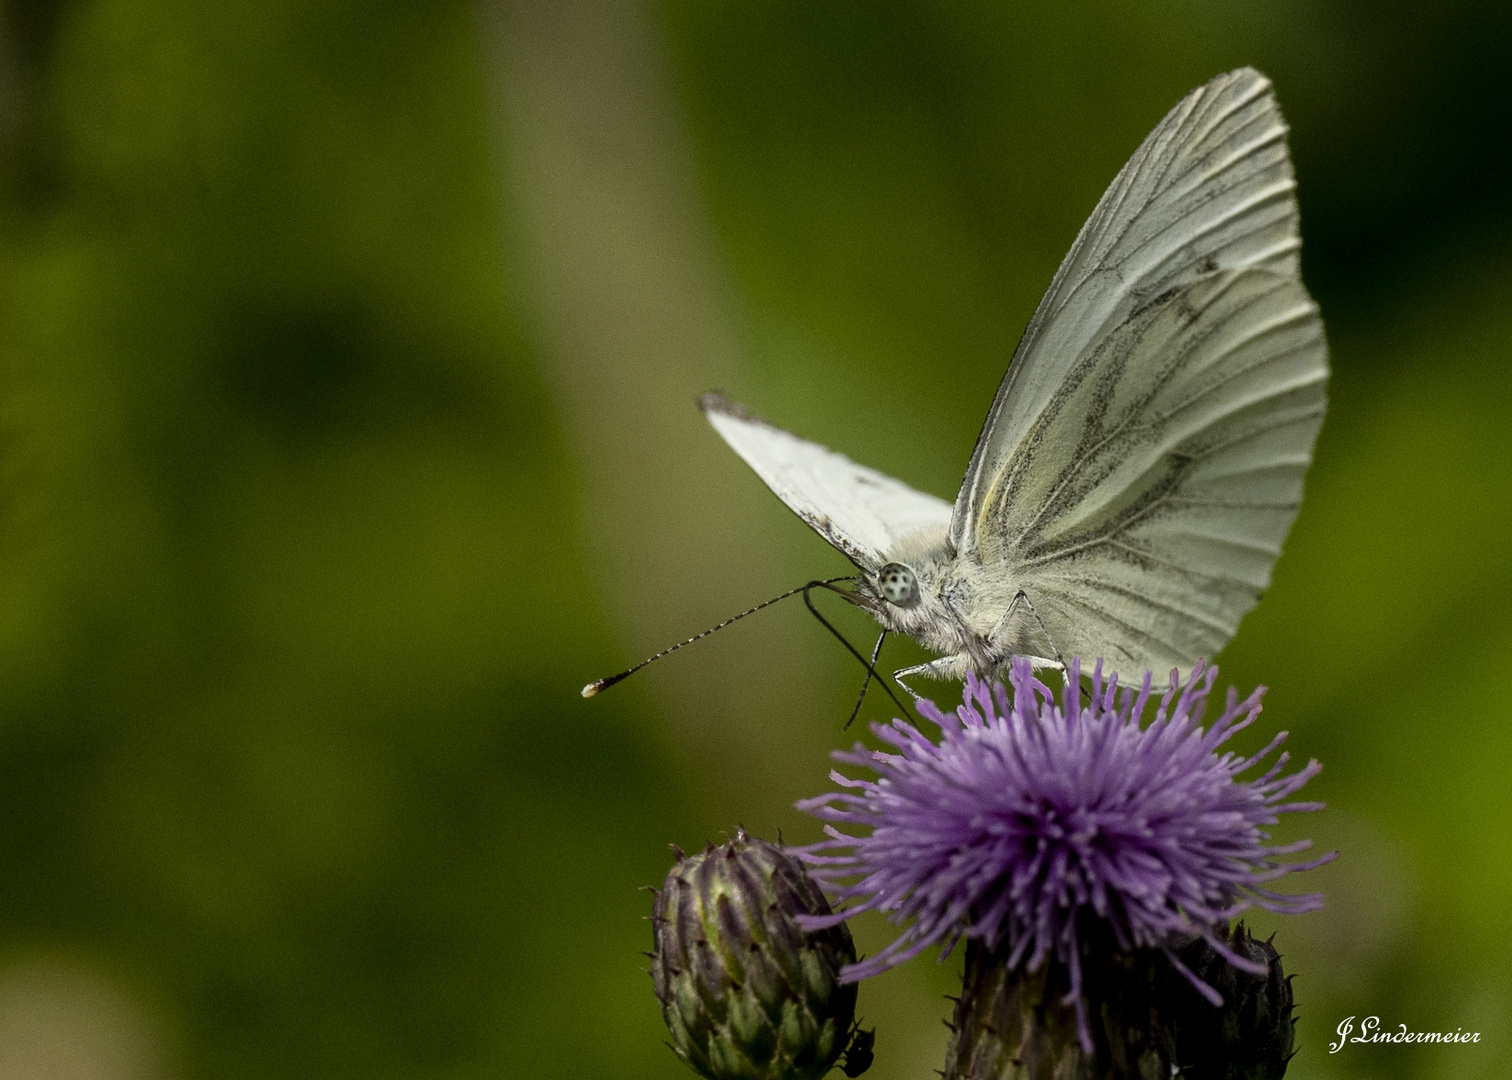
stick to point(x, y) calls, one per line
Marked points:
point(1145, 507)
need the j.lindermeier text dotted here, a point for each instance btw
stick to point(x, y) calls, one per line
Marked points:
point(1370, 1032)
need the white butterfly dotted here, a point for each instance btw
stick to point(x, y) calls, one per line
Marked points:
point(1143, 458)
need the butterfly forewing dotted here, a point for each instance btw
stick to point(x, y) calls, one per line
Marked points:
point(862, 512)
point(1209, 189)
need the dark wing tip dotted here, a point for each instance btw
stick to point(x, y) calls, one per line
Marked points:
point(715, 402)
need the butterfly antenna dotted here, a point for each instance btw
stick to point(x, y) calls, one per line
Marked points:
point(871, 667)
point(600, 685)
point(871, 670)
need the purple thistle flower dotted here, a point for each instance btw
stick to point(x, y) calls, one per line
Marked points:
point(1027, 816)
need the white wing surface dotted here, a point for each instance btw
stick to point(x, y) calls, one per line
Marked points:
point(860, 511)
point(1146, 504)
point(1209, 189)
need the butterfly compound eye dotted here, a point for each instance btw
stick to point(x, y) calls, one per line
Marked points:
point(897, 584)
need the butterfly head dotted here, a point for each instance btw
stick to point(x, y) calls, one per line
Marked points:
point(910, 591)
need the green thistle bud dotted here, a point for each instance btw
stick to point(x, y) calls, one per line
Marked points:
point(746, 993)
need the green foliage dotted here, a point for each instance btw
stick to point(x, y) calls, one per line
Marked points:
point(302, 557)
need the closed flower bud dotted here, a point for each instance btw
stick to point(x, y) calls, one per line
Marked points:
point(746, 992)
point(1250, 1036)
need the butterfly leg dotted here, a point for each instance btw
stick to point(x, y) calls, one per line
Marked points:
point(946, 667)
point(999, 632)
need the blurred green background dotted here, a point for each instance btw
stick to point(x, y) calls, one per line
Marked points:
point(347, 359)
